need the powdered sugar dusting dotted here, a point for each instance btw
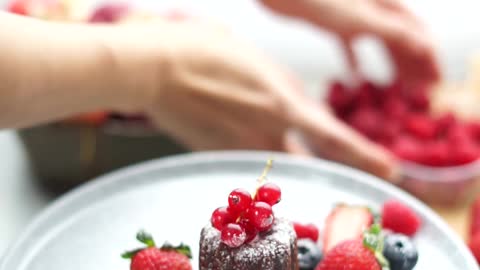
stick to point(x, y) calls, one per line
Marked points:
point(275, 250)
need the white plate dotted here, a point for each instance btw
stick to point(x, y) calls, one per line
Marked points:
point(173, 199)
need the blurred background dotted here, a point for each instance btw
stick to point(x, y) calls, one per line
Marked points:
point(33, 173)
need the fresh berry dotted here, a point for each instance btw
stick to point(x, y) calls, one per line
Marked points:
point(474, 245)
point(407, 148)
point(475, 218)
point(419, 100)
point(474, 130)
point(339, 97)
point(367, 94)
point(269, 193)
point(420, 126)
point(239, 200)
point(345, 223)
point(153, 258)
point(221, 217)
point(309, 254)
point(261, 216)
point(351, 254)
point(395, 108)
point(110, 13)
point(458, 134)
point(306, 231)
point(250, 230)
point(233, 235)
point(366, 121)
point(445, 123)
point(400, 252)
point(436, 153)
point(464, 153)
point(399, 218)
point(389, 132)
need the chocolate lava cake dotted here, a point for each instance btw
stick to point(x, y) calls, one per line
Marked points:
point(273, 250)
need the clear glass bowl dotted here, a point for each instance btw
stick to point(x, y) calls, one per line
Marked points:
point(441, 185)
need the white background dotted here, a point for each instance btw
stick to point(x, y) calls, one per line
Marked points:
point(311, 53)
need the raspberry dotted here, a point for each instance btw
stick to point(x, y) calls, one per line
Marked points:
point(389, 132)
point(395, 108)
point(463, 153)
point(400, 218)
point(366, 121)
point(445, 123)
point(474, 245)
point(349, 255)
point(420, 126)
point(367, 95)
point(474, 130)
point(418, 98)
point(436, 154)
point(458, 134)
point(339, 97)
point(306, 231)
point(408, 148)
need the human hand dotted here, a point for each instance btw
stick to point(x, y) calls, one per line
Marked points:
point(210, 90)
point(409, 43)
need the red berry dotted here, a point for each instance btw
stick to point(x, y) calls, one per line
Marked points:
point(400, 218)
point(339, 97)
point(350, 254)
point(474, 245)
point(261, 216)
point(474, 130)
point(395, 108)
point(458, 134)
point(463, 153)
point(408, 148)
point(475, 218)
point(445, 122)
point(221, 217)
point(421, 126)
point(419, 100)
point(366, 121)
point(390, 131)
point(249, 228)
point(233, 235)
point(239, 200)
point(367, 95)
point(306, 231)
point(269, 193)
point(157, 259)
point(436, 154)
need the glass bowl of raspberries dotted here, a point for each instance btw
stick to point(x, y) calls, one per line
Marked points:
point(438, 152)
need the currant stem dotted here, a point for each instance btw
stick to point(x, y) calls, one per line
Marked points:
point(263, 177)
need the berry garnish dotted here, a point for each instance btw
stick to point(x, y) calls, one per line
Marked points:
point(244, 217)
point(233, 235)
point(153, 258)
point(309, 254)
point(220, 218)
point(239, 200)
point(261, 216)
point(400, 252)
point(269, 193)
point(306, 231)
point(399, 218)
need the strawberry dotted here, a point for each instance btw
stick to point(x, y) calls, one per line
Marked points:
point(475, 218)
point(345, 223)
point(165, 258)
point(357, 254)
point(400, 218)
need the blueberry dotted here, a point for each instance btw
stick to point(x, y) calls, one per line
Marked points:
point(309, 254)
point(400, 252)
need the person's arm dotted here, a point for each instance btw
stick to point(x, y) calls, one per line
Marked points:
point(50, 71)
point(410, 45)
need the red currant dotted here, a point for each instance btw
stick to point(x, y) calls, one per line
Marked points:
point(239, 200)
point(269, 193)
point(260, 215)
point(308, 231)
point(221, 217)
point(249, 228)
point(233, 235)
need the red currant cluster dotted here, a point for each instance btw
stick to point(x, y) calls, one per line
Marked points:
point(245, 217)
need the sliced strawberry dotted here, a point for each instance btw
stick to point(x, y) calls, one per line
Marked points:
point(346, 223)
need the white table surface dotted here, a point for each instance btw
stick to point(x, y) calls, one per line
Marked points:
point(456, 26)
